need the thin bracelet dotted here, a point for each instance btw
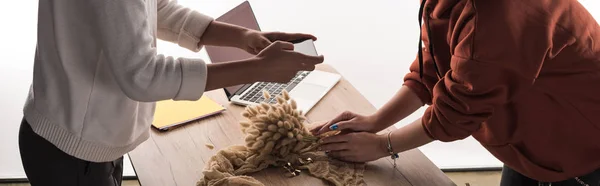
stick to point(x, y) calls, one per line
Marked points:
point(393, 155)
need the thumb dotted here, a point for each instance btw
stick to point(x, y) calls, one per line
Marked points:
point(261, 45)
point(264, 43)
point(284, 45)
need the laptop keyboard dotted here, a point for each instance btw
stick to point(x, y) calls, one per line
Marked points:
point(255, 94)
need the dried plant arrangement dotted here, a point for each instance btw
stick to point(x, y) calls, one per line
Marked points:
point(277, 137)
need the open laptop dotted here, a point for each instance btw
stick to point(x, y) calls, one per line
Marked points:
point(306, 88)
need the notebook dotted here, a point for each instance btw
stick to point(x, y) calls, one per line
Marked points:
point(171, 113)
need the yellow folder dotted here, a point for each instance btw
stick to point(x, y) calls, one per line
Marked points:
point(170, 113)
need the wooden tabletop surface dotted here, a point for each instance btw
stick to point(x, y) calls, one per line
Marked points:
point(177, 157)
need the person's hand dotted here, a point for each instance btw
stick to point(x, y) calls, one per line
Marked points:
point(349, 122)
point(279, 63)
point(256, 41)
point(355, 147)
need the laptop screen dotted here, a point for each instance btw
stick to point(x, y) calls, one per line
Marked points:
point(241, 15)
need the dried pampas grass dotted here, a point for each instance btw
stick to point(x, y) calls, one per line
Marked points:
point(276, 136)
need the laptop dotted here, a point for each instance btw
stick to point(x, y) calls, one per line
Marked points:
point(307, 88)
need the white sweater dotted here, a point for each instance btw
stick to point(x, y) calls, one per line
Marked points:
point(97, 74)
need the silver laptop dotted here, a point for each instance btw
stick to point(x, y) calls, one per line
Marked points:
point(307, 87)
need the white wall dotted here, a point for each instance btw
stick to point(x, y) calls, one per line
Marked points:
point(17, 45)
point(370, 42)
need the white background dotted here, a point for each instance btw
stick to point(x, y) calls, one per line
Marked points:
point(371, 43)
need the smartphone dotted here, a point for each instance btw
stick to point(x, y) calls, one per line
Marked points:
point(305, 46)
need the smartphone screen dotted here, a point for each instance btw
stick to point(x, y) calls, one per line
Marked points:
point(306, 47)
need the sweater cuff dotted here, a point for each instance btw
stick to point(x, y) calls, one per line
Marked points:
point(419, 89)
point(193, 28)
point(427, 124)
point(193, 79)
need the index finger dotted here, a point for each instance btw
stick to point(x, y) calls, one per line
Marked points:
point(317, 127)
point(275, 36)
point(325, 128)
point(301, 36)
point(312, 60)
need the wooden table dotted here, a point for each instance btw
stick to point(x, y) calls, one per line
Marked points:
point(177, 157)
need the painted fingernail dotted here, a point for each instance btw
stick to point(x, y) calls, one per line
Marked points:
point(333, 127)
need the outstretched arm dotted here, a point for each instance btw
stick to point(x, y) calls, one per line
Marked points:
point(191, 29)
point(404, 103)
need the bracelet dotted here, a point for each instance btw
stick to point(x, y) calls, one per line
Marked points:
point(393, 155)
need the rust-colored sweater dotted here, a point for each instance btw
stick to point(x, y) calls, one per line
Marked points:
point(521, 76)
